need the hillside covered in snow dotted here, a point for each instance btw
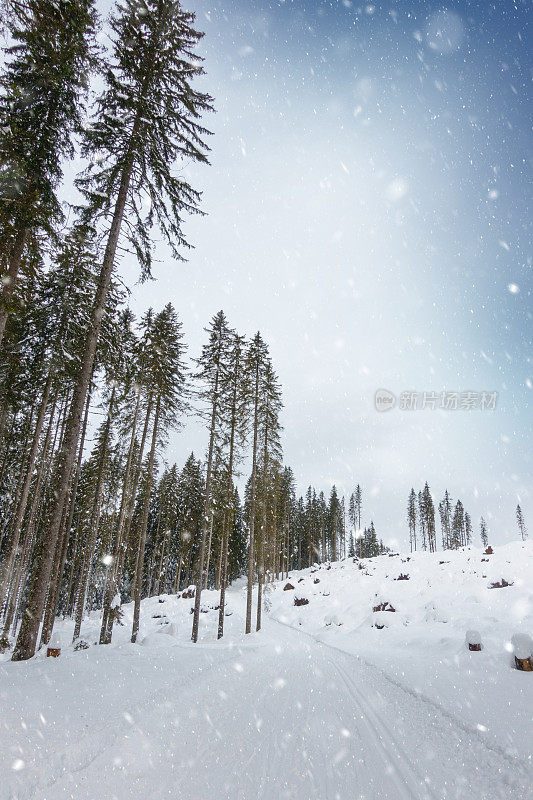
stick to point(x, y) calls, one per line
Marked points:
point(331, 697)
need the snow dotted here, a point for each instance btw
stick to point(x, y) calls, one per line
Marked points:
point(320, 704)
point(473, 637)
point(522, 645)
point(55, 641)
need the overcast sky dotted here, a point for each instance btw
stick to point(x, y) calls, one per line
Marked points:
point(368, 212)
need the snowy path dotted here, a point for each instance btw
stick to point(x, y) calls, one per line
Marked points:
point(280, 717)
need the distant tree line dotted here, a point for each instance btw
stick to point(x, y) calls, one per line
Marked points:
point(455, 523)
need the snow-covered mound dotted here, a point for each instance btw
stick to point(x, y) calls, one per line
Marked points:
point(411, 616)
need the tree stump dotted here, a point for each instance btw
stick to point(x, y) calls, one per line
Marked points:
point(473, 640)
point(386, 606)
point(288, 587)
point(53, 652)
point(523, 652)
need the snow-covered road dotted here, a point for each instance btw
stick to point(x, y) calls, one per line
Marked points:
point(276, 716)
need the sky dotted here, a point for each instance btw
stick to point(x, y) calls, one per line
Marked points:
point(368, 210)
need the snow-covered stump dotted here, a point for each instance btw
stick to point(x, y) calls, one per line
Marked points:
point(473, 640)
point(301, 599)
point(53, 649)
point(523, 652)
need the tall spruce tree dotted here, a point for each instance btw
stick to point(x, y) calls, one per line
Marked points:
point(411, 519)
point(445, 513)
point(41, 100)
point(270, 456)
point(255, 363)
point(235, 421)
point(213, 366)
point(483, 532)
point(164, 378)
point(458, 526)
point(148, 118)
point(521, 523)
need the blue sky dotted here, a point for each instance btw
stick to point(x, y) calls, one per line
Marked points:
point(369, 211)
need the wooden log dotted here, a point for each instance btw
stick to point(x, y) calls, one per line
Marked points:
point(523, 664)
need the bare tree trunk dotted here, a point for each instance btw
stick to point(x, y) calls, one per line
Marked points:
point(73, 494)
point(251, 543)
point(228, 516)
point(17, 580)
point(29, 629)
point(10, 280)
point(178, 574)
point(209, 549)
point(93, 525)
point(223, 573)
point(128, 499)
point(55, 583)
point(7, 564)
point(7, 523)
point(207, 509)
point(137, 584)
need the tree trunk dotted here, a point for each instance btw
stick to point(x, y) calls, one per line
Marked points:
point(93, 525)
point(128, 499)
point(251, 543)
point(7, 564)
point(261, 550)
point(209, 550)
point(29, 629)
point(144, 525)
point(10, 280)
point(17, 581)
point(206, 514)
point(55, 583)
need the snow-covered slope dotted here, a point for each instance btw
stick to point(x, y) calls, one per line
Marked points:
point(422, 643)
point(307, 709)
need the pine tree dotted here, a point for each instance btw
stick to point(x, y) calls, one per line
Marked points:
point(270, 456)
point(428, 511)
point(352, 514)
point(468, 529)
point(423, 520)
point(411, 519)
point(483, 532)
point(445, 512)
point(190, 514)
point(164, 378)
point(358, 505)
point(212, 371)
point(333, 523)
point(147, 118)
point(41, 101)
point(521, 524)
point(458, 526)
point(255, 362)
point(235, 421)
